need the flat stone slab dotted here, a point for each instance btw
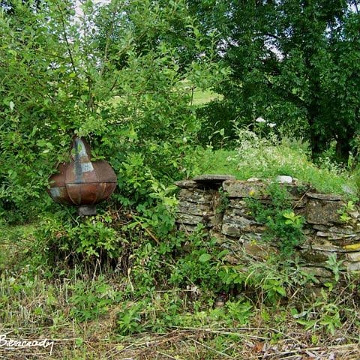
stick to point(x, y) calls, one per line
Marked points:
point(191, 208)
point(196, 196)
point(323, 212)
point(326, 248)
point(353, 257)
point(213, 178)
point(186, 184)
point(189, 219)
point(352, 266)
point(317, 271)
point(328, 197)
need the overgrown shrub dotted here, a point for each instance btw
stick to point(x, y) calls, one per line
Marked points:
point(283, 226)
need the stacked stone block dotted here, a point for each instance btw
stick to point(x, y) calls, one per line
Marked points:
point(219, 203)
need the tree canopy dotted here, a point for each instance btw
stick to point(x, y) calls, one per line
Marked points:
point(294, 63)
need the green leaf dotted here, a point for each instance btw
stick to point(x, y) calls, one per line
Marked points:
point(223, 253)
point(205, 258)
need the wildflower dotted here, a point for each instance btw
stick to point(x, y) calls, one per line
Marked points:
point(260, 120)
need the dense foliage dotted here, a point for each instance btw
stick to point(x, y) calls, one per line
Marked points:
point(294, 63)
point(125, 75)
point(109, 73)
point(122, 74)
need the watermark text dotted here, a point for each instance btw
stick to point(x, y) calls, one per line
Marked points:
point(8, 343)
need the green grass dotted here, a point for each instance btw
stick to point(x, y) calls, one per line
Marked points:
point(220, 162)
point(266, 161)
point(204, 97)
point(198, 96)
point(165, 323)
point(14, 241)
point(100, 314)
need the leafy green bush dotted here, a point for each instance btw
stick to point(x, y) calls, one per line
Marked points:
point(123, 93)
point(282, 225)
point(89, 301)
point(65, 239)
point(197, 265)
point(168, 310)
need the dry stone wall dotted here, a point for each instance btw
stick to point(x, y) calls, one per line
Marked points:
point(219, 203)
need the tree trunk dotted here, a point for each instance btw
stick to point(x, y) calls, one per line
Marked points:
point(343, 148)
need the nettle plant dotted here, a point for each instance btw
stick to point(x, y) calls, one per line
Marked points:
point(282, 224)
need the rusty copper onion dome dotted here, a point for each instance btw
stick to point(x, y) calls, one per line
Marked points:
point(82, 182)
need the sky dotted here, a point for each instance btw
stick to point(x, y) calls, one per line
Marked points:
point(79, 2)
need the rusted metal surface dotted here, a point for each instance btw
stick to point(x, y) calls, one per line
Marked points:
point(82, 182)
point(58, 191)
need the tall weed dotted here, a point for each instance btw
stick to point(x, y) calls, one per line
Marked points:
point(268, 157)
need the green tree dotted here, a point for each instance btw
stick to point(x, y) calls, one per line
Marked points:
point(60, 76)
point(293, 63)
point(35, 86)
